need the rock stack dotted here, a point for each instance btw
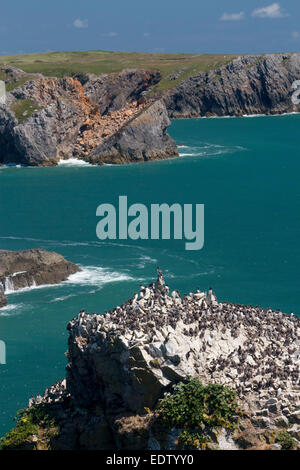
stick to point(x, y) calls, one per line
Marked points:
point(156, 338)
point(121, 362)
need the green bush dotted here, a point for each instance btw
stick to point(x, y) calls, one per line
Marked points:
point(23, 109)
point(285, 440)
point(193, 407)
point(29, 423)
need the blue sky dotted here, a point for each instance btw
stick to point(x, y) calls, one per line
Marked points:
point(228, 26)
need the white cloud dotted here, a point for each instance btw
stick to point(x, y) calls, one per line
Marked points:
point(296, 34)
point(233, 16)
point(78, 23)
point(146, 35)
point(111, 34)
point(270, 11)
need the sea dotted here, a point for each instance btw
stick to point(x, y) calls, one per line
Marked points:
point(246, 172)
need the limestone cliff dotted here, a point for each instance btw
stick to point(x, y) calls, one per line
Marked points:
point(247, 85)
point(46, 119)
point(113, 118)
point(121, 363)
point(113, 91)
point(142, 138)
point(19, 269)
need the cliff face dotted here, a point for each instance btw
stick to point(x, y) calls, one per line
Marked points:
point(122, 362)
point(112, 119)
point(142, 138)
point(46, 119)
point(19, 269)
point(247, 85)
point(114, 91)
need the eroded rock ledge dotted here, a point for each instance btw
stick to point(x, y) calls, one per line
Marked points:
point(122, 362)
point(28, 268)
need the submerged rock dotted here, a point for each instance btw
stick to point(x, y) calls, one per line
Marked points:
point(19, 269)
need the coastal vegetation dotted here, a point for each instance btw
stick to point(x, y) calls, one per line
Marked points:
point(24, 108)
point(37, 422)
point(12, 84)
point(286, 441)
point(174, 68)
point(196, 409)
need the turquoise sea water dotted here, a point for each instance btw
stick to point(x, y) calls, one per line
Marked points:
point(245, 170)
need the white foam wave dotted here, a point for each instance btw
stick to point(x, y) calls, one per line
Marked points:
point(58, 243)
point(145, 259)
point(269, 115)
point(61, 299)
point(247, 115)
point(13, 165)
point(96, 276)
point(253, 115)
point(70, 162)
point(89, 275)
point(9, 310)
point(29, 288)
point(209, 150)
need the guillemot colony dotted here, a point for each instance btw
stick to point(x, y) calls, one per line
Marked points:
point(126, 358)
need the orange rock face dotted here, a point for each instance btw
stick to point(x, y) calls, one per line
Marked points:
point(94, 128)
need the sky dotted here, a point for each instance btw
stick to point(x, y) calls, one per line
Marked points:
point(190, 26)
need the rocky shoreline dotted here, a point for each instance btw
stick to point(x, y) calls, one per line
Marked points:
point(28, 268)
point(122, 362)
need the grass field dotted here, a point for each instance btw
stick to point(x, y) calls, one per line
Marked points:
point(173, 67)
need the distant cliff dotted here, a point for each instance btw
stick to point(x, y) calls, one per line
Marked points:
point(247, 85)
point(27, 268)
point(122, 117)
point(47, 119)
point(121, 364)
